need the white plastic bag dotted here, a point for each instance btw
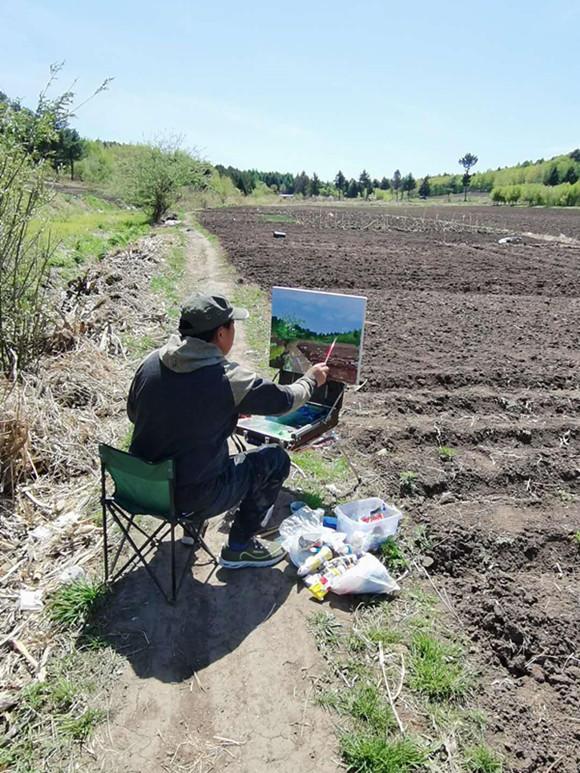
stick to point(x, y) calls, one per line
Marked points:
point(368, 575)
point(374, 533)
point(304, 528)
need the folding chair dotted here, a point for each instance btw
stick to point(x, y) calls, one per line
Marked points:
point(144, 488)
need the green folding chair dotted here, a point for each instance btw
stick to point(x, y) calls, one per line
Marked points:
point(144, 488)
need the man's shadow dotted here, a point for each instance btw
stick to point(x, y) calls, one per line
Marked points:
point(207, 622)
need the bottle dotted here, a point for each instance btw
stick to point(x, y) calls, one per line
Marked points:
point(320, 584)
point(314, 562)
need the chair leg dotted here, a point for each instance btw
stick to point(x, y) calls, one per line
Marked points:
point(197, 535)
point(141, 557)
point(105, 543)
point(173, 579)
point(105, 534)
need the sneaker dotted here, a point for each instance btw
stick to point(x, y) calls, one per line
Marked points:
point(255, 554)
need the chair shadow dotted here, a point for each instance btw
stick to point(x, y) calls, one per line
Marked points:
point(207, 622)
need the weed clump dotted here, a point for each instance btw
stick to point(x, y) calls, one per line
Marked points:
point(408, 483)
point(368, 753)
point(73, 604)
point(480, 759)
point(436, 668)
point(446, 454)
point(392, 555)
point(326, 629)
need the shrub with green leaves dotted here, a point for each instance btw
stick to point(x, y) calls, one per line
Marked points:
point(151, 176)
point(392, 555)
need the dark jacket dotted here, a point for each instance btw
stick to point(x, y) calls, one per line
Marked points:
point(185, 400)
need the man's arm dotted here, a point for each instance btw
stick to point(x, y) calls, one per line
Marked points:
point(253, 394)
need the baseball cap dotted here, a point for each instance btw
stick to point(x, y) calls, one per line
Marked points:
point(202, 312)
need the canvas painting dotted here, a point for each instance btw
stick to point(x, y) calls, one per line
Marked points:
point(308, 326)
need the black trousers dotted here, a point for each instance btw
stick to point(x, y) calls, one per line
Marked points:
point(251, 480)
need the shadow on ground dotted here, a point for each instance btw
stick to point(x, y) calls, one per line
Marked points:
point(210, 619)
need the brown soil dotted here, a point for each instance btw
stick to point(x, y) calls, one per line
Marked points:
point(476, 346)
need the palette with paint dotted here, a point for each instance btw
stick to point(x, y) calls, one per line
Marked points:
point(307, 327)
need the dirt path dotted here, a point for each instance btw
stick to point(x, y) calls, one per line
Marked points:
point(222, 680)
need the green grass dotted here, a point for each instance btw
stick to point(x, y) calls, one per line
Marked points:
point(384, 634)
point(446, 454)
point(277, 218)
point(366, 752)
point(54, 716)
point(576, 537)
point(83, 229)
point(313, 500)
point(59, 695)
point(73, 604)
point(257, 327)
point(392, 556)
point(364, 704)
point(407, 482)
point(168, 282)
point(481, 759)
point(320, 467)
point(325, 628)
point(79, 728)
point(436, 668)
point(320, 471)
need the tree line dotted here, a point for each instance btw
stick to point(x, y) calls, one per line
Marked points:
point(105, 163)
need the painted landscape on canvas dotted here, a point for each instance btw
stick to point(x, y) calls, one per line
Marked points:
point(307, 324)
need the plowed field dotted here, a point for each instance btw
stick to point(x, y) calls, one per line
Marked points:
point(471, 345)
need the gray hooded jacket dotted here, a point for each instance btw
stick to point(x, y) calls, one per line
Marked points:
point(185, 400)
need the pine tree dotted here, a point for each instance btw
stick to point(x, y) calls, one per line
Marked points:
point(425, 187)
point(365, 184)
point(553, 176)
point(340, 182)
point(314, 185)
point(409, 184)
point(467, 161)
point(301, 184)
point(385, 184)
point(396, 183)
point(353, 189)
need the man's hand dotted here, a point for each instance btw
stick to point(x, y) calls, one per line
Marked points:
point(319, 373)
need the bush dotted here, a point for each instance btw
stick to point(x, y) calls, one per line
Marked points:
point(152, 176)
point(24, 247)
point(536, 194)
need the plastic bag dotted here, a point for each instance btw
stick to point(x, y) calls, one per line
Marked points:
point(368, 575)
point(367, 535)
point(305, 528)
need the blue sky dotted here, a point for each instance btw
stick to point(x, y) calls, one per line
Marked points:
point(313, 85)
point(320, 312)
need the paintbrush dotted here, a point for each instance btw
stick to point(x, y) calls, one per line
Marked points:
point(329, 352)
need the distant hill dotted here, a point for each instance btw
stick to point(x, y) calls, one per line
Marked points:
point(551, 172)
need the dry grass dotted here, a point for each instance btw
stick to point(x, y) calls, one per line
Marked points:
point(50, 424)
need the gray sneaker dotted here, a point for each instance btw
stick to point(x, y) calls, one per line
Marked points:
point(256, 553)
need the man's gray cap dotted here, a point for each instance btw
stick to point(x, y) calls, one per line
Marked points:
point(202, 312)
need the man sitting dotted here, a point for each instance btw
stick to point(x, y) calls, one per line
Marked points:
point(184, 402)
